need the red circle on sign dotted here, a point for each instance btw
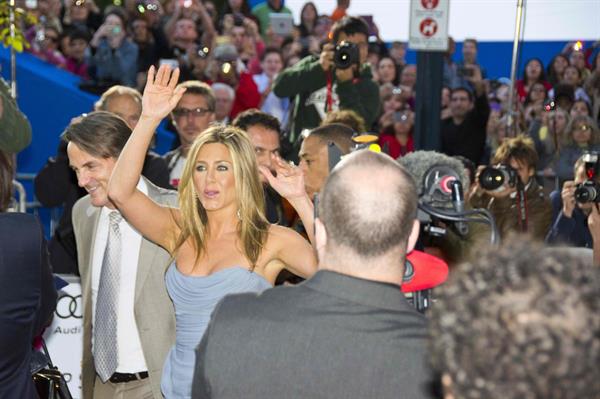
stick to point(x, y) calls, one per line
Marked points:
point(428, 27)
point(430, 4)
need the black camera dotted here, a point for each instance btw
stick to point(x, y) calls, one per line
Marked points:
point(589, 190)
point(346, 54)
point(493, 178)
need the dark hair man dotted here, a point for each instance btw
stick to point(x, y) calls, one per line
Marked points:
point(532, 213)
point(347, 332)
point(128, 317)
point(192, 115)
point(464, 132)
point(319, 87)
point(519, 322)
point(264, 131)
point(314, 153)
point(56, 184)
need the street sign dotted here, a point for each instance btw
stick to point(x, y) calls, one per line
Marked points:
point(429, 25)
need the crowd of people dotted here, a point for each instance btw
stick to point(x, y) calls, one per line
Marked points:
point(264, 186)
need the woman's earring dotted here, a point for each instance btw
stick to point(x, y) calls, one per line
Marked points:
point(239, 214)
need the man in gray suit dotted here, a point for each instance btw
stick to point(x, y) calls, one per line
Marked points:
point(128, 319)
point(347, 332)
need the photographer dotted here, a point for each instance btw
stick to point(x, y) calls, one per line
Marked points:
point(570, 218)
point(319, 86)
point(519, 205)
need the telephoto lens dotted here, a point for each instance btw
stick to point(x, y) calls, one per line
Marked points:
point(587, 192)
point(346, 55)
point(493, 178)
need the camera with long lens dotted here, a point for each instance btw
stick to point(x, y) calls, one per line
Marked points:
point(346, 54)
point(589, 190)
point(493, 178)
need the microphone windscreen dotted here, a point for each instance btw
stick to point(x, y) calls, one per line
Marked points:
point(428, 272)
point(418, 163)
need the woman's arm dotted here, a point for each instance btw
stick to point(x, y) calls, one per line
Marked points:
point(154, 221)
point(293, 250)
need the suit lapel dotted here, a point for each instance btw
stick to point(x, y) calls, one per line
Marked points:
point(90, 236)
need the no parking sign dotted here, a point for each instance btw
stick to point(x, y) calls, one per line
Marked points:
point(429, 25)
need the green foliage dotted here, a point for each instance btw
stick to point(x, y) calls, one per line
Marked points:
point(22, 18)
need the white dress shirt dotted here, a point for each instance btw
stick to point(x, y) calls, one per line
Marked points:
point(131, 357)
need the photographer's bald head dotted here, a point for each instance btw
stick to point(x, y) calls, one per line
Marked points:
point(367, 218)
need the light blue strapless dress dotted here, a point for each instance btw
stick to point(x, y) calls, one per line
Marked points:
point(194, 298)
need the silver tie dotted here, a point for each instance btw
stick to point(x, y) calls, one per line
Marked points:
point(107, 302)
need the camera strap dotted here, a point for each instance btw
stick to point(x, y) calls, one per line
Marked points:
point(522, 206)
point(329, 101)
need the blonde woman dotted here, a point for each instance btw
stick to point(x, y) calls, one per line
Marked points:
point(219, 238)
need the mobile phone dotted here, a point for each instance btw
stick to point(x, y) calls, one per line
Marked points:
point(173, 63)
point(464, 71)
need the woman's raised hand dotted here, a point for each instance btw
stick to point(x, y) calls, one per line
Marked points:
point(289, 182)
point(160, 95)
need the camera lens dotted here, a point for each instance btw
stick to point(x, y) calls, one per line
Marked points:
point(585, 193)
point(491, 179)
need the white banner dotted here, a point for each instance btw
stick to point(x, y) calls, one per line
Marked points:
point(429, 25)
point(64, 337)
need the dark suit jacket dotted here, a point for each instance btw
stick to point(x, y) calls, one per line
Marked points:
point(333, 336)
point(27, 299)
point(56, 185)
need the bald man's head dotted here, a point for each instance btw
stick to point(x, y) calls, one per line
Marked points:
point(368, 205)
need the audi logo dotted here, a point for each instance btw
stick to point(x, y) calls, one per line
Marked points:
point(69, 306)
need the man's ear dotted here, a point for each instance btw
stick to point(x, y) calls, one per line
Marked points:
point(414, 235)
point(320, 236)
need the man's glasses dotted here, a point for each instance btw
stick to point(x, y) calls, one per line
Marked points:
point(196, 112)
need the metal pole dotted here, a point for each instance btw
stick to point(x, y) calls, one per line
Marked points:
point(513, 69)
point(13, 55)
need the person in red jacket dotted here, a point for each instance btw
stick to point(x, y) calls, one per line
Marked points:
point(246, 92)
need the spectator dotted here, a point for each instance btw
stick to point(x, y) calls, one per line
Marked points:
point(550, 137)
point(224, 96)
point(521, 207)
point(262, 11)
point(398, 53)
point(445, 103)
point(534, 102)
point(181, 29)
point(556, 68)
point(464, 133)
point(323, 27)
point(314, 154)
point(582, 136)
point(246, 91)
point(15, 128)
point(469, 57)
point(580, 108)
point(408, 76)
point(352, 309)
point(577, 59)
point(572, 77)
point(518, 322)
point(570, 218)
point(264, 132)
point(534, 72)
point(233, 7)
point(243, 34)
point(148, 52)
point(46, 46)
point(348, 88)
point(113, 55)
point(348, 118)
point(272, 64)
point(386, 71)
point(564, 95)
point(592, 87)
point(398, 138)
point(78, 44)
point(82, 14)
point(27, 292)
point(308, 19)
point(192, 115)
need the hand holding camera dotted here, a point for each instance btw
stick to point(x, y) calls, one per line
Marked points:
point(568, 198)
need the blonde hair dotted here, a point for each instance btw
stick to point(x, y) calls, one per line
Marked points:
point(253, 225)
